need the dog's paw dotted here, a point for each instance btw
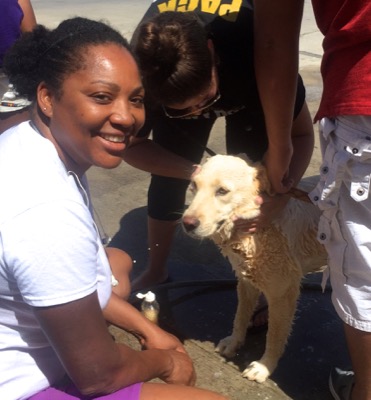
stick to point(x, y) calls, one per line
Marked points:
point(227, 347)
point(256, 372)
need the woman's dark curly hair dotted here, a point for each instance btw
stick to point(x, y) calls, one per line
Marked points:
point(173, 56)
point(49, 56)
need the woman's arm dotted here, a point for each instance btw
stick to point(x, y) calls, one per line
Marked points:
point(96, 364)
point(147, 155)
point(276, 35)
point(122, 314)
point(29, 19)
point(125, 316)
point(302, 136)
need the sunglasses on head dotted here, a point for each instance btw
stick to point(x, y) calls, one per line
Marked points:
point(187, 112)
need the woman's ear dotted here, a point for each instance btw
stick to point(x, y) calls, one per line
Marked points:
point(44, 100)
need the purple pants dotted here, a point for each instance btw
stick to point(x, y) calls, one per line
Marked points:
point(129, 393)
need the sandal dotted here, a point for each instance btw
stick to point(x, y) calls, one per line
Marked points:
point(341, 383)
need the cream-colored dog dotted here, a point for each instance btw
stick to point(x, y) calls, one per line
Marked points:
point(271, 261)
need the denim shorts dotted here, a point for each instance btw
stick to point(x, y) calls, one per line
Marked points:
point(343, 195)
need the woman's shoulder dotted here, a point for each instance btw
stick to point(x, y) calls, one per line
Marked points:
point(32, 171)
point(22, 147)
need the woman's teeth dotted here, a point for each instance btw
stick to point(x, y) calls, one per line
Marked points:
point(114, 138)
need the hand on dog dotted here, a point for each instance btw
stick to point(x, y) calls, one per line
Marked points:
point(248, 225)
point(270, 209)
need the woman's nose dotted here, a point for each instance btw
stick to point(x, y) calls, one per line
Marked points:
point(122, 115)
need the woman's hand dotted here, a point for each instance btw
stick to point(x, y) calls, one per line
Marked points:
point(122, 314)
point(182, 371)
point(179, 367)
point(157, 338)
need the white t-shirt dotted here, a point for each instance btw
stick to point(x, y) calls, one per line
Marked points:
point(50, 253)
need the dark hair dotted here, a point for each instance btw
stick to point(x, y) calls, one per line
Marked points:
point(173, 56)
point(49, 56)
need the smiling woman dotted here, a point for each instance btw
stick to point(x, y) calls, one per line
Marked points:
point(86, 106)
point(56, 292)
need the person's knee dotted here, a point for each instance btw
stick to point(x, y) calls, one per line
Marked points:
point(121, 265)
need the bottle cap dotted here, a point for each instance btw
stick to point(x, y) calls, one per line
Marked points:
point(149, 296)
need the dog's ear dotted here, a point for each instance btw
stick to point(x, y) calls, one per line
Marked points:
point(262, 177)
point(263, 181)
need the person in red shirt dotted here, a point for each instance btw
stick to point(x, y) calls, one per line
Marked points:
point(345, 129)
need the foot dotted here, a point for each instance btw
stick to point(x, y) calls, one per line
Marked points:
point(147, 280)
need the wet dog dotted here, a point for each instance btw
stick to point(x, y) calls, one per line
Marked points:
point(272, 261)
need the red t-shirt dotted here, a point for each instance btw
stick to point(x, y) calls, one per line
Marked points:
point(346, 64)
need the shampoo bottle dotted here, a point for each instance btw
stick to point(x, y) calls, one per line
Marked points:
point(150, 307)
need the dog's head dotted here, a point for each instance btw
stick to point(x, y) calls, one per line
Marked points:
point(226, 186)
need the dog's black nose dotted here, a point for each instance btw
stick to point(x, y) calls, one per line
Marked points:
point(190, 223)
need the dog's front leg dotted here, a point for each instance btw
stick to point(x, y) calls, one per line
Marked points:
point(281, 314)
point(247, 299)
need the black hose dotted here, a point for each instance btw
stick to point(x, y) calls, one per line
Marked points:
point(215, 284)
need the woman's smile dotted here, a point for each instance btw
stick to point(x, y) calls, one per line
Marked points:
point(113, 138)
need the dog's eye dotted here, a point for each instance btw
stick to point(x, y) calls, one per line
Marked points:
point(222, 192)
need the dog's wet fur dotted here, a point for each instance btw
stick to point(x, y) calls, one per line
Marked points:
point(272, 261)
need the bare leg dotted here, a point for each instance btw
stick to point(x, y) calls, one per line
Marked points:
point(162, 391)
point(359, 345)
point(160, 238)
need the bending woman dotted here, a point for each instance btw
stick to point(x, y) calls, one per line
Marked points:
point(197, 67)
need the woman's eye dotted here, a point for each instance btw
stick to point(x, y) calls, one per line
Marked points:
point(138, 101)
point(221, 192)
point(102, 98)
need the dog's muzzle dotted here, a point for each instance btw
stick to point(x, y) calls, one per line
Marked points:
point(190, 223)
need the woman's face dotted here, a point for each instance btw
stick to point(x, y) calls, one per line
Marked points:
point(101, 106)
point(198, 104)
